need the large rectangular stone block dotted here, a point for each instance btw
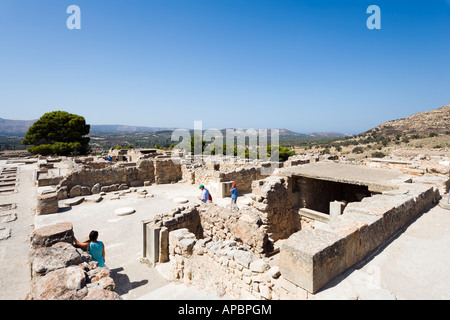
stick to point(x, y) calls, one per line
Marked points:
point(309, 258)
point(152, 244)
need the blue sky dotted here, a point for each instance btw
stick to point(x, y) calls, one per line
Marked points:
point(302, 65)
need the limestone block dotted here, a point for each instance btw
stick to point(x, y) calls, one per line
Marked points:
point(336, 208)
point(164, 245)
point(62, 284)
point(309, 260)
point(275, 272)
point(123, 186)
point(180, 200)
point(58, 256)
point(47, 203)
point(243, 258)
point(85, 191)
point(49, 235)
point(73, 202)
point(75, 191)
point(101, 294)
point(114, 187)
point(96, 188)
point(186, 246)
point(124, 211)
point(259, 265)
point(94, 198)
point(62, 193)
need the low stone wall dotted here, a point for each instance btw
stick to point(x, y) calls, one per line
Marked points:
point(227, 269)
point(275, 202)
point(166, 171)
point(211, 176)
point(310, 258)
point(206, 220)
point(62, 272)
point(147, 170)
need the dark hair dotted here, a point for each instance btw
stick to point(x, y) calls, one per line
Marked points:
point(93, 236)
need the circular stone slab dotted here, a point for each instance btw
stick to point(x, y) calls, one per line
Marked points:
point(180, 200)
point(124, 211)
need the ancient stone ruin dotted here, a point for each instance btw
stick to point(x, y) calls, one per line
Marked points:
point(297, 228)
point(62, 272)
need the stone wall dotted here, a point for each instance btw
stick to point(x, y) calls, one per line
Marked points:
point(166, 171)
point(206, 220)
point(317, 194)
point(62, 272)
point(130, 175)
point(310, 258)
point(274, 200)
point(227, 269)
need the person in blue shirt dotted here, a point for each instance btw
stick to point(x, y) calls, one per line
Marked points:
point(94, 247)
point(234, 194)
point(205, 197)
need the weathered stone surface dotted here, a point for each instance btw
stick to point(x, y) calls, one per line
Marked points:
point(75, 191)
point(180, 200)
point(124, 211)
point(63, 272)
point(62, 284)
point(47, 204)
point(85, 191)
point(123, 186)
point(244, 258)
point(98, 273)
point(259, 265)
point(275, 272)
point(101, 294)
point(49, 235)
point(444, 203)
point(58, 256)
point(62, 193)
point(73, 202)
point(308, 258)
point(94, 198)
point(96, 188)
point(5, 233)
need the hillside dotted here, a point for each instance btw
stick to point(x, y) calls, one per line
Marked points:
point(425, 132)
point(14, 127)
point(423, 124)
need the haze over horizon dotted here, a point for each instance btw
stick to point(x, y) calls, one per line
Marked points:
point(306, 66)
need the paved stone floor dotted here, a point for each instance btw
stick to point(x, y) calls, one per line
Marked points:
point(15, 269)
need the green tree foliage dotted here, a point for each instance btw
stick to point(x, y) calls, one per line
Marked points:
point(358, 150)
point(378, 154)
point(58, 133)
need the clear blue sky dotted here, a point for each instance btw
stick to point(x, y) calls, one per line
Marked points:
point(302, 65)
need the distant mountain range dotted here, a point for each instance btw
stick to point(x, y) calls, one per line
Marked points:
point(15, 127)
point(20, 127)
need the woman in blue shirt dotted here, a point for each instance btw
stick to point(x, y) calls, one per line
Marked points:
point(94, 247)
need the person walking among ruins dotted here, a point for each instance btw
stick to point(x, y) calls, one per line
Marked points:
point(94, 247)
point(234, 194)
point(205, 196)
